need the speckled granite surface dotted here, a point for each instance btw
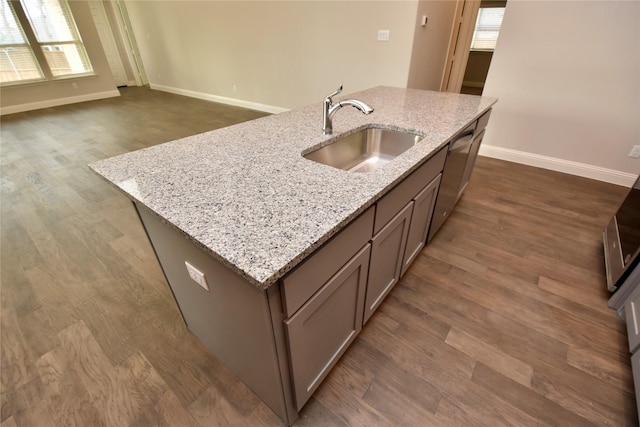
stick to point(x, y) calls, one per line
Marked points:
point(247, 196)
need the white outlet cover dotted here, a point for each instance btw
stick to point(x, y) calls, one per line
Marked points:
point(635, 152)
point(196, 275)
point(383, 35)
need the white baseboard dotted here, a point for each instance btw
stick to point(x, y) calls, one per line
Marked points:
point(57, 101)
point(559, 165)
point(221, 99)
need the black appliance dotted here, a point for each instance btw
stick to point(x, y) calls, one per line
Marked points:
point(622, 241)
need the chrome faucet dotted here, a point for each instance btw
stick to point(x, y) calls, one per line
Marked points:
point(330, 109)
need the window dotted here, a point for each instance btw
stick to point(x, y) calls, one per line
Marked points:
point(17, 62)
point(487, 28)
point(46, 25)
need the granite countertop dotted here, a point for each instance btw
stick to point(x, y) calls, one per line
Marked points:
point(247, 196)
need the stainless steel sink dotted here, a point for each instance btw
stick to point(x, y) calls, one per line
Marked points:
point(365, 150)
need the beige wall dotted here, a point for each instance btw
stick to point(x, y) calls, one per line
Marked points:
point(276, 53)
point(58, 92)
point(567, 75)
point(431, 44)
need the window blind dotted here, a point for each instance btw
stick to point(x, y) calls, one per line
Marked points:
point(58, 36)
point(487, 28)
point(17, 62)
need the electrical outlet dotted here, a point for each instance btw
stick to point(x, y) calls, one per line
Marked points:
point(383, 35)
point(196, 275)
point(635, 152)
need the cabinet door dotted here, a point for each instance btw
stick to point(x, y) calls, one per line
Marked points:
point(387, 250)
point(632, 315)
point(308, 277)
point(321, 331)
point(635, 367)
point(420, 220)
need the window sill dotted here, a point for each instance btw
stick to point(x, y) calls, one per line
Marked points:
point(67, 77)
point(59, 79)
point(23, 82)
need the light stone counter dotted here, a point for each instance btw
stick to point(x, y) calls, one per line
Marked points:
point(247, 196)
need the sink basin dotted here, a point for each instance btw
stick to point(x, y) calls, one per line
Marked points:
point(365, 150)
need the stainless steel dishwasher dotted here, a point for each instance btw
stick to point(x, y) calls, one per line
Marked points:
point(452, 185)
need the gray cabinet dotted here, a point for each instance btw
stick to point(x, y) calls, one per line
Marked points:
point(283, 341)
point(630, 312)
point(307, 278)
point(328, 297)
point(635, 367)
point(387, 252)
point(421, 215)
point(632, 316)
point(320, 332)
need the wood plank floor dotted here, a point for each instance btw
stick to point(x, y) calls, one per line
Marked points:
point(501, 321)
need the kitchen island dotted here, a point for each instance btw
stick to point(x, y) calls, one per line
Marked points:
point(270, 255)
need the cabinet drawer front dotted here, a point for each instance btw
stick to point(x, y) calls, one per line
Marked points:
point(387, 251)
point(321, 331)
point(399, 196)
point(307, 278)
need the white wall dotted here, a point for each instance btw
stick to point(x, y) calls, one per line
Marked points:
point(66, 91)
point(431, 44)
point(276, 53)
point(568, 77)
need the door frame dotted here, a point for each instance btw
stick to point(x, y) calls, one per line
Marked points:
point(125, 33)
point(459, 45)
point(109, 45)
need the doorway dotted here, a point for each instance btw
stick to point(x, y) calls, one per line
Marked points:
point(483, 44)
point(114, 30)
point(109, 44)
point(473, 41)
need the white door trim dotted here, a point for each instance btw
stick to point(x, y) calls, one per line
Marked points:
point(459, 45)
point(128, 40)
point(109, 46)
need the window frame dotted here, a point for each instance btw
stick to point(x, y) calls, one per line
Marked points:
point(37, 50)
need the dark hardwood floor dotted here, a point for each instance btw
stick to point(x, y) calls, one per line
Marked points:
point(501, 321)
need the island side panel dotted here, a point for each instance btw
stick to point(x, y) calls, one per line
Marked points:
point(232, 318)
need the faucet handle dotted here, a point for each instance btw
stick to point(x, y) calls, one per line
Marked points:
point(335, 93)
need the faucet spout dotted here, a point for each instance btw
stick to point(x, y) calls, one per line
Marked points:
point(366, 109)
point(329, 109)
